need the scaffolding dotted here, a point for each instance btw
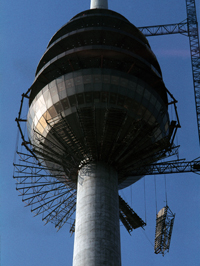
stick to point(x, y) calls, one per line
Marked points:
point(164, 225)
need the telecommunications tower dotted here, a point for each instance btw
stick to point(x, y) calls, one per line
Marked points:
point(98, 111)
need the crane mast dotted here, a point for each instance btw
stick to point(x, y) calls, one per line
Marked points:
point(189, 28)
point(195, 53)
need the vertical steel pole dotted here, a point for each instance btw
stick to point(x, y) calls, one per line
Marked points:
point(99, 4)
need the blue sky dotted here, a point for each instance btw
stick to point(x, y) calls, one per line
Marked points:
point(26, 27)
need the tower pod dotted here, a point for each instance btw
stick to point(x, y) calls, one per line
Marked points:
point(98, 95)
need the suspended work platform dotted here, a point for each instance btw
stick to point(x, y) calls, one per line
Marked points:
point(164, 226)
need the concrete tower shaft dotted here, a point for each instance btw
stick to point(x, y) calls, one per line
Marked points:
point(97, 235)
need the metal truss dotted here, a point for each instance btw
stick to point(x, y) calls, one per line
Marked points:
point(195, 53)
point(170, 167)
point(45, 193)
point(189, 28)
point(165, 29)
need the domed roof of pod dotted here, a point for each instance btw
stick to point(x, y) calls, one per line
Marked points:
point(99, 38)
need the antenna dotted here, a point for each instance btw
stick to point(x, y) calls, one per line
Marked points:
point(99, 4)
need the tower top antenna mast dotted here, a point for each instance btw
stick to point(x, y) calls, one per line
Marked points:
point(99, 4)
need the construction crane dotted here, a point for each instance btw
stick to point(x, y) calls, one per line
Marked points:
point(189, 28)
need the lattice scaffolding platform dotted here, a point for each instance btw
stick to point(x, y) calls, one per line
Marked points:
point(164, 225)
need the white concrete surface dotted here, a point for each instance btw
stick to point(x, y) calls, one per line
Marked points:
point(97, 234)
